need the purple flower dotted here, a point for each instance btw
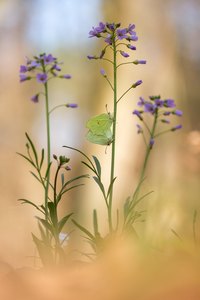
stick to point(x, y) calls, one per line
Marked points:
point(24, 77)
point(96, 31)
point(42, 77)
point(72, 105)
point(140, 62)
point(23, 69)
point(141, 102)
point(91, 57)
point(122, 33)
point(35, 98)
point(167, 113)
point(137, 83)
point(33, 64)
point(149, 107)
point(178, 113)
point(169, 103)
point(56, 67)
point(108, 39)
point(48, 59)
point(131, 47)
point(103, 72)
point(130, 29)
point(68, 168)
point(112, 26)
point(138, 114)
point(151, 143)
point(124, 54)
point(132, 37)
point(158, 102)
point(140, 130)
point(176, 127)
point(66, 76)
point(165, 121)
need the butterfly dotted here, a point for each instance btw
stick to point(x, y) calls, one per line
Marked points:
point(100, 129)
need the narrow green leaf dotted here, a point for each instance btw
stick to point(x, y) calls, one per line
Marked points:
point(75, 149)
point(72, 180)
point(95, 223)
point(63, 221)
point(134, 203)
point(176, 234)
point(43, 250)
point(100, 184)
point(28, 159)
point(43, 234)
point(33, 148)
point(62, 179)
point(23, 201)
point(98, 165)
point(46, 224)
point(59, 197)
point(48, 170)
point(111, 186)
point(126, 207)
point(36, 177)
point(52, 211)
point(42, 159)
point(83, 229)
point(88, 166)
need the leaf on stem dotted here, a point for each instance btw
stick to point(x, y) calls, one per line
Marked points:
point(23, 201)
point(43, 250)
point(101, 186)
point(48, 170)
point(98, 165)
point(33, 148)
point(46, 225)
point(42, 158)
point(83, 229)
point(28, 159)
point(36, 177)
point(63, 221)
point(111, 186)
point(95, 224)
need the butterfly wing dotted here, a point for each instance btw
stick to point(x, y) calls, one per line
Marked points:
point(98, 125)
point(100, 139)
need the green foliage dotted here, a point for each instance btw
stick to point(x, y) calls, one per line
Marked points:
point(49, 245)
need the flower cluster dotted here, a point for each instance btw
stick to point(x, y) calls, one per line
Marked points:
point(160, 110)
point(42, 68)
point(113, 35)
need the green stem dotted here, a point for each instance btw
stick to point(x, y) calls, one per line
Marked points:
point(112, 171)
point(48, 147)
point(148, 151)
point(124, 94)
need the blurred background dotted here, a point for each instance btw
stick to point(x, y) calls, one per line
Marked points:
point(168, 34)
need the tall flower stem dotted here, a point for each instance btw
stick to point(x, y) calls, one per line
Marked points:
point(147, 154)
point(48, 147)
point(112, 171)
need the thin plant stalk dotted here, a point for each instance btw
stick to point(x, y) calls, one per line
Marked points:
point(48, 146)
point(146, 159)
point(114, 136)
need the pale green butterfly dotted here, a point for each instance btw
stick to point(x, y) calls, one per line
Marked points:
point(100, 129)
point(99, 124)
